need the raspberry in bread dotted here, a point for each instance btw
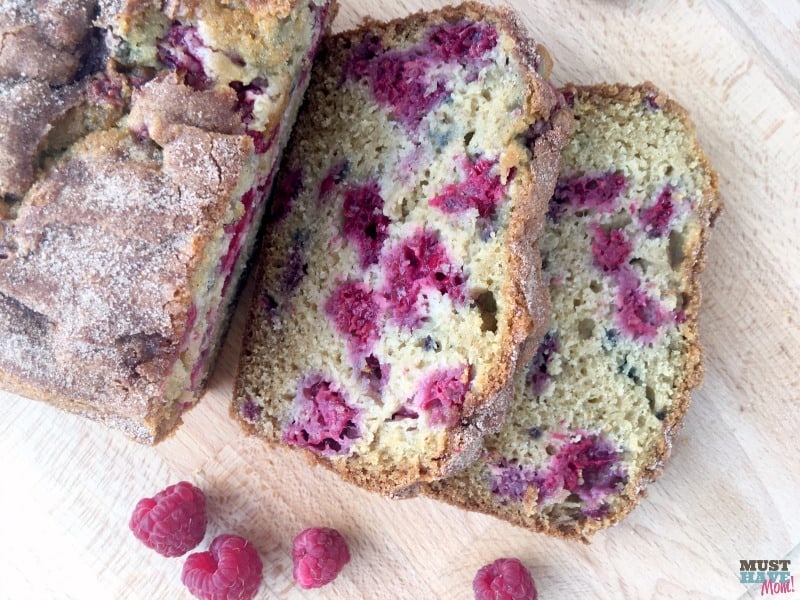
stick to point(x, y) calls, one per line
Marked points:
point(398, 281)
point(136, 153)
point(596, 409)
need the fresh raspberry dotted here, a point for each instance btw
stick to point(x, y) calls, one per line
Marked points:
point(538, 376)
point(319, 554)
point(173, 521)
point(504, 579)
point(230, 570)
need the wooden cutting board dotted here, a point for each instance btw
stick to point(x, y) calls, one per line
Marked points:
point(731, 490)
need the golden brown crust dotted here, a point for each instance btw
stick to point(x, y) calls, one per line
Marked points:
point(42, 40)
point(86, 227)
point(35, 106)
point(167, 101)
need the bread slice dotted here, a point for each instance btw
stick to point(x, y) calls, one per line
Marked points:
point(136, 159)
point(596, 409)
point(398, 275)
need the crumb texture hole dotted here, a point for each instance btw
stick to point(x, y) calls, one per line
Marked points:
point(586, 328)
point(487, 305)
point(676, 253)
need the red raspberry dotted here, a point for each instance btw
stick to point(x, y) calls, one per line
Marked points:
point(504, 579)
point(230, 570)
point(319, 554)
point(173, 521)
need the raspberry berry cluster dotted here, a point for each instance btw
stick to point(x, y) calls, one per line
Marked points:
point(174, 521)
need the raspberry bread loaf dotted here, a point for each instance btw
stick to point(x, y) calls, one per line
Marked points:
point(398, 280)
point(596, 409)
point(136, 155)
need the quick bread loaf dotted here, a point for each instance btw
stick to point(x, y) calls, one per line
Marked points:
point(138, 143)
point(399, 275)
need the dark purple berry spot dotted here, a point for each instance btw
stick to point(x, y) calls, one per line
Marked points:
point(480, 190)
point(535, 131)
point(287, 188)
point(538, 376)
point(654, 101)
point(365, 225)
point(373, 367)
point(296, 268)
point(180, 49)
point(322, 419)
point(611, 249)
point(246, 98)
point(404, 413)
point(270, 306)
point(442, 395)
point(590, 191)
point(251, 410)
point(510, 480)
point(334, 177)
point(418, 264)
point(355, 313)
point(431, 345)
point(375, 374)
point(598, 512)
point(261, 142)
point(656, 218)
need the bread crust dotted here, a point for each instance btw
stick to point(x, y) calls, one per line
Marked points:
point(459, 493)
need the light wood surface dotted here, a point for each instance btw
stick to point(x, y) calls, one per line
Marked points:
point(731, 490)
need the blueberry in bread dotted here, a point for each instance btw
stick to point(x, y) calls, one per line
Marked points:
point(596, 408)
point(398, 280)
point(138, 143)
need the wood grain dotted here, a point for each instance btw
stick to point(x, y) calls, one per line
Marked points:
point(729, 492)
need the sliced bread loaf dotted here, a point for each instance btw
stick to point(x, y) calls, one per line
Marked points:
point(596, 409)
point(398, 278)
